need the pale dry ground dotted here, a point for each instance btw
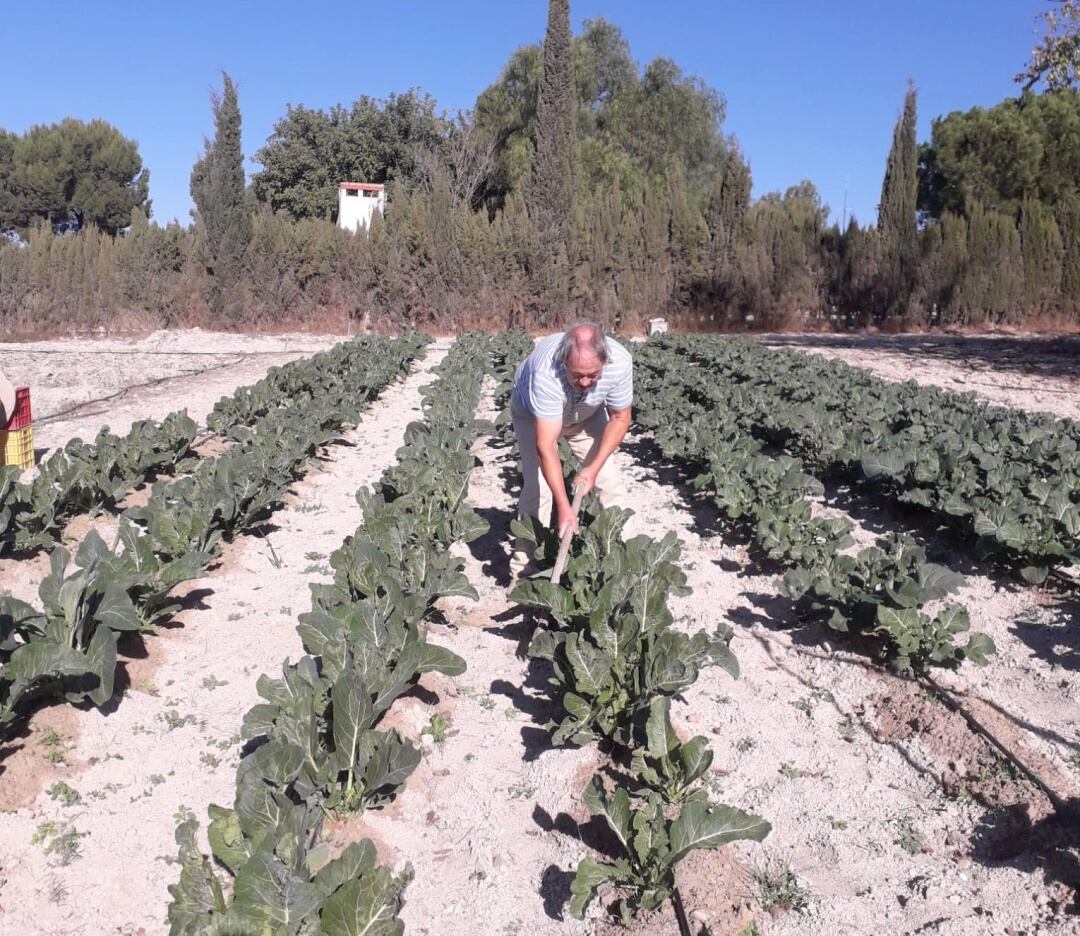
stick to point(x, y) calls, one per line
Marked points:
point(172, 740)
point(808, 737)
point(79, 385)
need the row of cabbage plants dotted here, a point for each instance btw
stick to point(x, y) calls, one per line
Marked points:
point(87, 477)
point(1007, 480)
point(879, 593)
point(67, 646)
point(617, 661)
point(316, 747)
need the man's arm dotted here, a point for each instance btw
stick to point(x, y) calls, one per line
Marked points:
point(617, 424)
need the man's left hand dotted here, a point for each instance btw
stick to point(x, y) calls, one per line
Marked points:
point(585, 480)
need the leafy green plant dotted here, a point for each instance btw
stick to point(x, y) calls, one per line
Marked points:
point(666, 764)
point(653, 845)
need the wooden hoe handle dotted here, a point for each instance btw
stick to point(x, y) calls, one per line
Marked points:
point(564, 543)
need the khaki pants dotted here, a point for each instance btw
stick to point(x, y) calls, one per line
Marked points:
point(536, 500)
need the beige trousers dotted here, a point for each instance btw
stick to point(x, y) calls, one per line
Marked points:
point(584, 440)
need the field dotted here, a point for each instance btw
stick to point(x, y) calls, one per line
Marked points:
point(918, 776)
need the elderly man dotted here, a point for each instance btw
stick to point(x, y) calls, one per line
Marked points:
point(576, 385)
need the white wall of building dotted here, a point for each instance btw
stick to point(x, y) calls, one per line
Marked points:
point(356, 207)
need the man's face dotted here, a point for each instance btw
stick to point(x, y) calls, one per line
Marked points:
point(583, 370)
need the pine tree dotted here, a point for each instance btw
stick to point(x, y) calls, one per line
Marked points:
point(896, 213)
point(217, 187)
point(551, 195)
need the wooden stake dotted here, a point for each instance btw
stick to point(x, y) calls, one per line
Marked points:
point(564, 543)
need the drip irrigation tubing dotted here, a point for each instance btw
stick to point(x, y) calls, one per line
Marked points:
point(1061, 806)
point(55, 417)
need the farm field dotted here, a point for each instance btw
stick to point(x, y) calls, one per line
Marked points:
point(887, 811)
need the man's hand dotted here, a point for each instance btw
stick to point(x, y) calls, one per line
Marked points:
point(585, 479)
point(566, 520)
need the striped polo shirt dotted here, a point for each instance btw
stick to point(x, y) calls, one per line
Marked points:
point(541, 387)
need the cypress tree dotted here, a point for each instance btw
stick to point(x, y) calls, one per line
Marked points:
point(896, 212)
point(1068, 221)
point(1043, 250)
point(726, 218)
point(552, 192)
point(217, 187)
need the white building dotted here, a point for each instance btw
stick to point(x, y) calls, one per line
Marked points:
point(357, 202)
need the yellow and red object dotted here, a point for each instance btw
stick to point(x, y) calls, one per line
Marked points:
point(17, 437)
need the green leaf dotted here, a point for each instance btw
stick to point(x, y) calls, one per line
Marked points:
point(591, 875)
point(660, 736)
point(703, 826)
point(365, 907)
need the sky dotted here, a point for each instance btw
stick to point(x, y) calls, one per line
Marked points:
point(813, 87)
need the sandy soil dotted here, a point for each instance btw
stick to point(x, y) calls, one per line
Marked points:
point(1036, 374)
point(78, 385)
point(172, 740)
point(893, 817)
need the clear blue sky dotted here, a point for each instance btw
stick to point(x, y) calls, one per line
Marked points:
point(812, 88)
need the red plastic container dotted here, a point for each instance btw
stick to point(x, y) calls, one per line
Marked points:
point(20, 419)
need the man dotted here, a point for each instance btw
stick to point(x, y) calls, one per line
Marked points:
point(576, 385)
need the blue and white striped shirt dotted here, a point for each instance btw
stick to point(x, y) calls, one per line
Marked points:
point(542, 389)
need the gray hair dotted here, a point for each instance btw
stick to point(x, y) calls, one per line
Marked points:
point(586, 338)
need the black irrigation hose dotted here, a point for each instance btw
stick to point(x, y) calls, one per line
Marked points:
point(1061, 806)
point(53, 417)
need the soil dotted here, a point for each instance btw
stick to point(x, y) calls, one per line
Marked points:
point(889, 814)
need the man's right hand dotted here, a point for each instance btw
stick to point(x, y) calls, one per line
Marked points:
point(566, 519)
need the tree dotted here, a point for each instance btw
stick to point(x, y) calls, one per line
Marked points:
point(1043, 251)
point(1002, 154)
point(551, 195)
point(897, 228)
point(1056, 59)
point(217, 186)
point(310, 152)
point(71, 173)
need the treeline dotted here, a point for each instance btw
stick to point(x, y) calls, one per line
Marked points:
point(647, 212)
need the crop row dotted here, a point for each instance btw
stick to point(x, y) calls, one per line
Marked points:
point(617, 661)
point(67, 647)
point(1008, 480)
point(877, 593)
point(90, 477)
point(315, 745)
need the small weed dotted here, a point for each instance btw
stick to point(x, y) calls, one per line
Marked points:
point(309, 508)
point(57, 892)
point(1074, 762)
point(211, 682)
point(314, 556)
point(839, 824)
point(209, 759)
point(438, 728)
point(909, 838)
point(223, 744)
point(846, 728)
point(275, 559)
point(521, 791)
point(487, 703)
point(722, 699)
point(478, 876)
point(744, 744)
point(316, 569)
point(805, 706)
point(67, 795)
point(60, 840)
point(285, 610)
point(148, 686)
point(789, 771)
point(183, 814)
point(174, 720)
point(778, 888)
point(235, 616)
point(510, 712)
point(750, 930)
point(469, 757)
point(56, 747)
point(102, 792)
